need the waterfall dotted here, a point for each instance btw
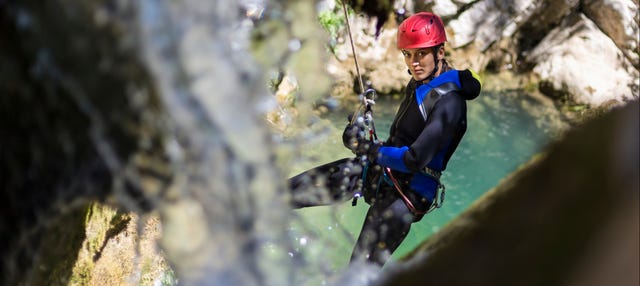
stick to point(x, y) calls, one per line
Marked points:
point(225, 223)
point(227, 192)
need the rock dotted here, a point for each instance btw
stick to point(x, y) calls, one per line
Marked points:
point(577, 59)
point(445, 8)
point(76, 120)
point(496, 19)
point(380, 62)
point(616, 19)
point(542, 17)
point(503, 35)
point(387, 78)
point(494, 33)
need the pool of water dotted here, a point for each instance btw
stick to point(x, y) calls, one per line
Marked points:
point(505, 129)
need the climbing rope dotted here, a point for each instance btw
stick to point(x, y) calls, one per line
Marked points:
point(366, 102)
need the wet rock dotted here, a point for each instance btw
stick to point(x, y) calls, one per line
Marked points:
point(75, 110)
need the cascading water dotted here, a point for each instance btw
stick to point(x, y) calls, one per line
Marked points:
point(226, 189)
point(225, 222)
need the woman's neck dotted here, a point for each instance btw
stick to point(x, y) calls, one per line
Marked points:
point(443, 66)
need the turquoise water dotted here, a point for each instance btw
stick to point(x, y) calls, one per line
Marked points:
point(505, 129)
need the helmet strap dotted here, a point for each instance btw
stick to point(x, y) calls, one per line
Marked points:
point(436, 62)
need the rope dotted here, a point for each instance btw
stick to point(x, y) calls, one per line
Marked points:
point(366, 103)
point(353, 48)
point(355, 59)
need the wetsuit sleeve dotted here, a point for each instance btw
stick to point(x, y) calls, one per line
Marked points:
point(444, 121)
point(393, 157)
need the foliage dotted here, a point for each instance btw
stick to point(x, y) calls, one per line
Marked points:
point(333, 22)
point(168, 278)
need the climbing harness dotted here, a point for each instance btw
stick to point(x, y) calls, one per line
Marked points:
point(438, 199)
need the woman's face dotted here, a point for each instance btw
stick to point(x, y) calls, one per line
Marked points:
point(420, 62)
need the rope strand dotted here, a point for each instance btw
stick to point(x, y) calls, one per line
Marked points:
point(353, 48)
point(355, 59)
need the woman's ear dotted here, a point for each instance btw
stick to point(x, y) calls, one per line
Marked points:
point(441, 53)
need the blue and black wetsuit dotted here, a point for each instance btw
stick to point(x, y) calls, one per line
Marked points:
point(426, 131)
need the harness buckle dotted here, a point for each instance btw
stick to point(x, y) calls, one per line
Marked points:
point(432, 173)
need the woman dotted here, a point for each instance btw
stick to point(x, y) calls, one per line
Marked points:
point(400, 177)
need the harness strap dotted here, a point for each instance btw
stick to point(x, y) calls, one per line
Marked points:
point(431, 98)
point(440, 190)
point(432, 173)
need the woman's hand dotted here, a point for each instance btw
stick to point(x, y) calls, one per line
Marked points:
point(367, 148)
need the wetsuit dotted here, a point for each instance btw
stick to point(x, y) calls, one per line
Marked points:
point(426, 131)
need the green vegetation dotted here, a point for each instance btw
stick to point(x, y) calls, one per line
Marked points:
point(333, 22)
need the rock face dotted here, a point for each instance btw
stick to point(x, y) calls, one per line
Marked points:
point(381, 64)
point(618, 19)
point(570, 217)
point(578, 60)
point(77, 124)
point(583, 51)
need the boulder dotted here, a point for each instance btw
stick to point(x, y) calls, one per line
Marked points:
point(381, 64)
point(616, 19)
point(578, 60)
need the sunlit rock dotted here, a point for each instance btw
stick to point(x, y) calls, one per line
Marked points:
point(616, 19)
point(578, 60)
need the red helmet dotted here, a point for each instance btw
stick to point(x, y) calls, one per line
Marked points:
point(421, 30)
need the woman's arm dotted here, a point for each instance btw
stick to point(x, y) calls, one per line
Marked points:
point(442, 124)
